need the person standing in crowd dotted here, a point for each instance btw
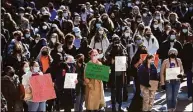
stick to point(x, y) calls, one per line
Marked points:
point(187, 60)
point(44, 59)
point(52, 11)
point(100, 42)
point(80, 87)
point(27, 37)
point(116, 81)
point(175, 24)
point(22, 22)
point(84, 49)
point(53, 41)
point(148, 79)
point(94, 92)
point(171, 42)
point(34, 71)
point(78, 37)
point(9, 23)
point(57, 49)
point(135, 63)
point(157, 16)
point(171, 86)
point(150, 42)
point(68, 45)
point(11, 90)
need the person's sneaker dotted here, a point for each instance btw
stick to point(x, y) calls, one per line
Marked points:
point(190, 98)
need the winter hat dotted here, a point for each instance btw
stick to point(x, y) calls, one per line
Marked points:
point(173, 50)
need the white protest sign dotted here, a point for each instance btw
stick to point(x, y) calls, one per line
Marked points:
point(172, 73)
point(120, 63)
point(70, 79)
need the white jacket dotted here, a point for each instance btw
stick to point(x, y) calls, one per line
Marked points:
point(152, 45)
point(98, 45)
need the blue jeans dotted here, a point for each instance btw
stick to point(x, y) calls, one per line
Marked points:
point(79, 102)
point(189, 83)
point(172, 89)
point(36, 106)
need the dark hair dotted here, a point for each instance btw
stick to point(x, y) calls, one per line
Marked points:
point(145, 62)
point(172, 31)
point(22, 65)
point(32, 63)
point(8, 68)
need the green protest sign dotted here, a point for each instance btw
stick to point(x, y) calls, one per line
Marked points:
point(95, 71)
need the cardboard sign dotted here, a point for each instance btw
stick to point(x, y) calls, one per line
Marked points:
point(120, 63)
point(95, 71)
point(156, 59)
point(172, 73)
point(42, 88)
point(70, 79)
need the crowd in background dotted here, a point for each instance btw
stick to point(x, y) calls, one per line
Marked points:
point(61, 36)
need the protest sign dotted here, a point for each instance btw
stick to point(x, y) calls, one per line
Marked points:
point(42, 88)
point(120, 63)
point(95, 71)
point(172, 73)
point(70, 79)
point(156, 59)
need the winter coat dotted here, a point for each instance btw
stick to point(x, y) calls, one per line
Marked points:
point(94, 94)
point(152, 44)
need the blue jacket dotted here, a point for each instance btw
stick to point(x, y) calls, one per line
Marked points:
point(145, 75)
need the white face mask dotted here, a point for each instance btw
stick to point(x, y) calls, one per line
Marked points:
point(101, 32)
point(155, 26)
point(65, 14)
point(53, 40)
point(45, 27)
point(184, 30)
point(77, 34)
point(144, 14)
point(129, 4)
point(137, 2)
point(36, 41)
point(36, 69)
point(96, 57)
point(21, 14)
point(27, 35)
point(26, 69)
point(172, 37)
point(157, 17)
point(60, 49)
point(127, 34)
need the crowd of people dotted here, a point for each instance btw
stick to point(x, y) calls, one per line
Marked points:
point(61, 36)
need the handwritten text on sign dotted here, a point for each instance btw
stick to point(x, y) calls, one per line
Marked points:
point(95, 71)
point(42, 88)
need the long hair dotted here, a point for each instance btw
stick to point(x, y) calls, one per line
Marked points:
point(145, 62)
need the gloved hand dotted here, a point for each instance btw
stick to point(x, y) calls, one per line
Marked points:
point(163, 87)
point(180, 76)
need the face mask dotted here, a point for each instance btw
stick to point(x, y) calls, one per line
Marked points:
point(152, 63)
point(44, 53)
point(184, 30)
point(27, 35)
point(77, 34)
point(144, 14)
point(172, 37)
point(60, 49)
point(36, 41)
point(129, 4)
point(36, 69)
point(172, 55)
point(11, 73)
point(70, 42)
point(53, 40)
point(138, 42)
point(95, 58)
point(81, 60)
point(26, 69)
point(44, 27)
point(138, 21)
point(65, 14)
point(155, 26)
point(157, 17)
point(137, 2)
point(21, 14)
point(127, 34)
point(98, 25)
point(101, 32)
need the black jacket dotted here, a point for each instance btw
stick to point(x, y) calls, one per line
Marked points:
point(165, 47)
point(187, 56)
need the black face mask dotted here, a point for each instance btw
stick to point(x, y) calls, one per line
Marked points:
point(81, 60)
point(83, 10)
point(172, 56)
point(19, 38)
point(148, 35)
point(44, 53)
point(11, 73)
point(70, 42)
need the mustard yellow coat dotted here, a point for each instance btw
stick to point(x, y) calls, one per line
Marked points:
point(94, 95)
